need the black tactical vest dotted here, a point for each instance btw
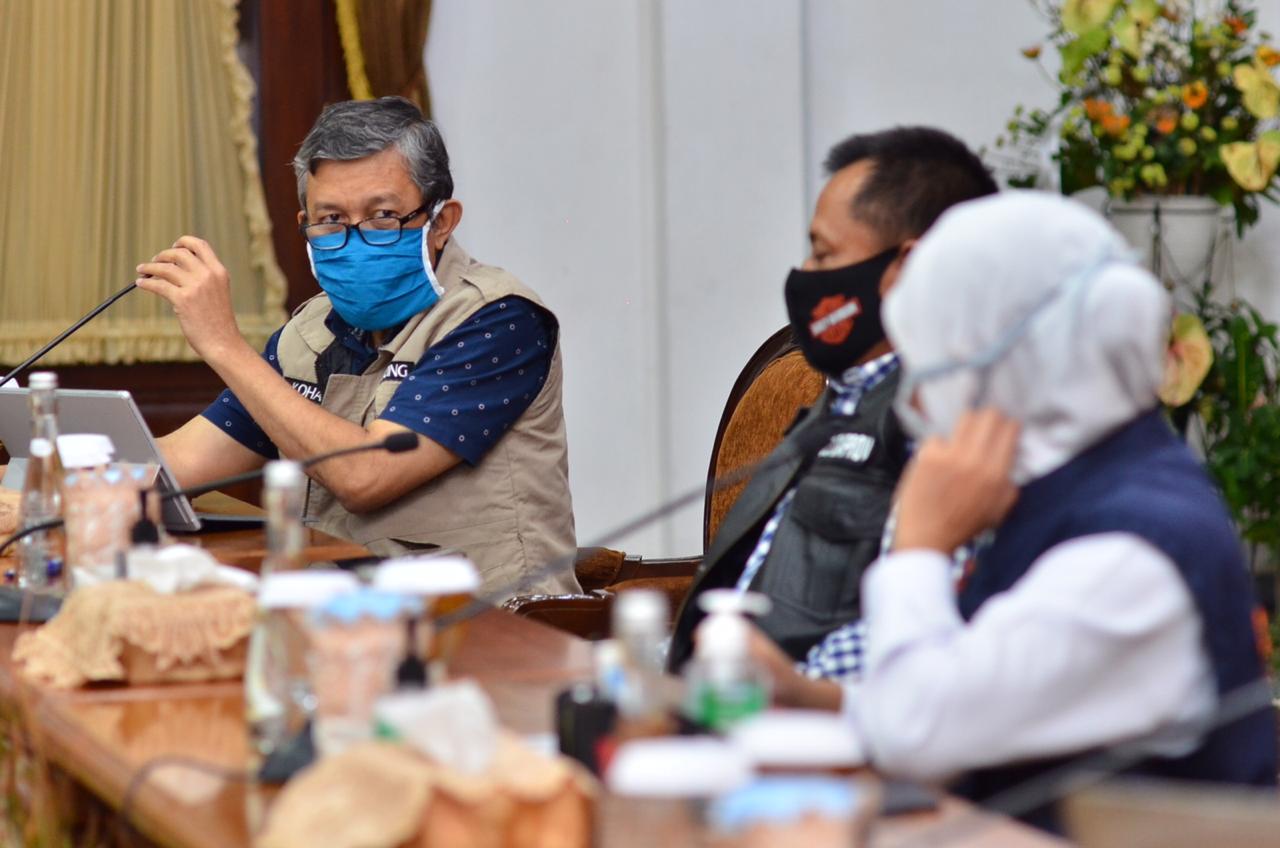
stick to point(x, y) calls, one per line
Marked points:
point(844, 470)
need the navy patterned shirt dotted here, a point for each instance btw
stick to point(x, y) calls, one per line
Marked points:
point(464, 393)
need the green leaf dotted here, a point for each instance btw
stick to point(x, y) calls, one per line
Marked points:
point(1075, 53)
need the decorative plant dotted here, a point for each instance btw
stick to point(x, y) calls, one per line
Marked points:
point(1159, 97)
point(1235, 412)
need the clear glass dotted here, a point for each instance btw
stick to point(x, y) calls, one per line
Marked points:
point(100, 506)
point(277, 692)
point(352, 665)
point(40, 554)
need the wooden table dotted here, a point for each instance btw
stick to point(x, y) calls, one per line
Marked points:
point(101, 737)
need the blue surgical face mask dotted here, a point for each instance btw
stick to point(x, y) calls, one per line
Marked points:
point(376, 287)
point(1075, 286)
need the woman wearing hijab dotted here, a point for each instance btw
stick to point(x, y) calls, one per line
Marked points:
point(1109, 604)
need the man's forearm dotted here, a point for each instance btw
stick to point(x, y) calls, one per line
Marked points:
point(298, 427)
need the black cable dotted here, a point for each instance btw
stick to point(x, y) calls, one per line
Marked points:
point(94, 313)
point(47, 524)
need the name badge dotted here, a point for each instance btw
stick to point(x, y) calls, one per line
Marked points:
point(850, 447)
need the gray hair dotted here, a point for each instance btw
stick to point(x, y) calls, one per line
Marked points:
point(355, 129)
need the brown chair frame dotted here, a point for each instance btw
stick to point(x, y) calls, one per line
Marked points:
point(587, 615)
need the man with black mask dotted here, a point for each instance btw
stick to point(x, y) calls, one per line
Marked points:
point(808, 525)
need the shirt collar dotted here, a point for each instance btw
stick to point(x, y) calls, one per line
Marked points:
point(355, 336)
point(864, 377)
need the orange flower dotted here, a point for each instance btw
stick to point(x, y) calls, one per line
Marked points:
point(1097, 109)
point(1262, 632)
point(1032, 52)
point(1195, 94)
point(1238, 25)
point(1268, 55)
point(1166, 121)
point(1115, 125)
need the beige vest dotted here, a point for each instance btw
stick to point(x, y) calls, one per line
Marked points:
point(511, 513)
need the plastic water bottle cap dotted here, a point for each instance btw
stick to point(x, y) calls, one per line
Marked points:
point(799, 739)
point(723, 636)
point(639, 609)
point(282, 474)
point(677, 767)
point(427, 576)
point(42, 380)
point(304, 589)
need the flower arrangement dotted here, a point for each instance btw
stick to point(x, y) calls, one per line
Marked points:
point(1159, 97)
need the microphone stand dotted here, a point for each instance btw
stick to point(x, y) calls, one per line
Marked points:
point(94, 313)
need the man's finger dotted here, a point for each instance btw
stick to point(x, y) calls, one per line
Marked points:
point(200, 248)
point(165, 271)
point(184, 259)
point(157, 286)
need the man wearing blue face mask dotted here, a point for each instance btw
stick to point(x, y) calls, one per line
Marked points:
point(409, 334)
point(805, 528)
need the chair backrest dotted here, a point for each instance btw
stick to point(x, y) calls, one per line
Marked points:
point(775, 385)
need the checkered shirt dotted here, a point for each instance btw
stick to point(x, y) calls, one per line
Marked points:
point(839, 656)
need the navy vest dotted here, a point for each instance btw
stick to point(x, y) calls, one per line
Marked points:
point(1143, 480)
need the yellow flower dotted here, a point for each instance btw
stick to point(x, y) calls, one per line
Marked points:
point(1154, 176)
point(1268, 55)
point(1128, 35)
point(1253, 164)
point(1230, 124)
point(1209, 134)
point(1261, 94)
point(1190, 120)
point(1187, 147)
point(1144, 11)
point(1187, 360)
point(1080, 16)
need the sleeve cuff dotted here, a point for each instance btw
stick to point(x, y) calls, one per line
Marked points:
point(907, 596)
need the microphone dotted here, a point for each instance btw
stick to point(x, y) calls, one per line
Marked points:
point(395, 443)
point(402, 442)
point(61, 337)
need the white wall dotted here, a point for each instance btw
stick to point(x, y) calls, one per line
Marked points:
point(641, 166)
point(649, 165)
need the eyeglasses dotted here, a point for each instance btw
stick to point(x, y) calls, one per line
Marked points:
point(375, 232)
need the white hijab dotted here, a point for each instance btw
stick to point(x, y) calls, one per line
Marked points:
point(1088, 360)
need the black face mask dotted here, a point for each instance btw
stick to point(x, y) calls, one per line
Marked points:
point(835, 314)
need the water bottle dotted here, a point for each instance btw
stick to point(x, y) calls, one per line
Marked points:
point(284, 491)
point(40, 553)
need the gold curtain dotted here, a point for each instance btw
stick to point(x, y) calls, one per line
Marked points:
point(123, 125)
point(383, 41)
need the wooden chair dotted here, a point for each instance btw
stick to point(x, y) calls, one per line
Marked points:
point(776, 384)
